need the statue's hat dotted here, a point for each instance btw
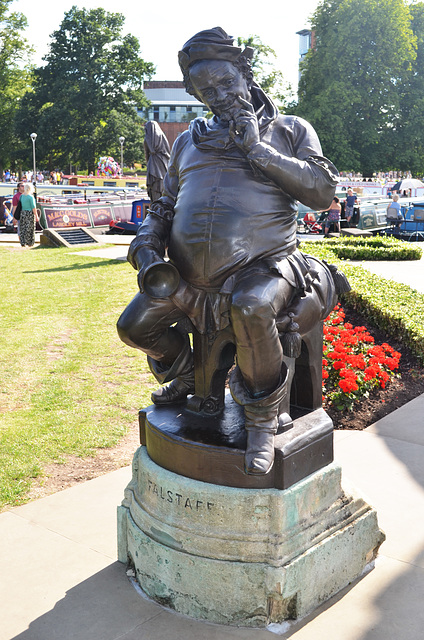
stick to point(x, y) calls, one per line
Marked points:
point(211, 44)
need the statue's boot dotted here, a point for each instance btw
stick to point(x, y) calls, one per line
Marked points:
point(181, 374)
point(260, 421)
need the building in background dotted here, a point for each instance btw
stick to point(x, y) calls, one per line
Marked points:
point(171, 106)
point(306, 42)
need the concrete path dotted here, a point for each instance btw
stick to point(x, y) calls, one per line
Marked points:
point(410, 272)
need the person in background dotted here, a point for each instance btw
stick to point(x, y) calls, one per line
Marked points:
point(29, 217)
point(351, 201)
point(8, 218)
point(333, 216)
point(16, 198)
point(392, 217)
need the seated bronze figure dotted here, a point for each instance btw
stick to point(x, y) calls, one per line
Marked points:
point(227, 221)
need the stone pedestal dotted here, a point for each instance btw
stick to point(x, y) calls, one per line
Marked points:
point(240, 556)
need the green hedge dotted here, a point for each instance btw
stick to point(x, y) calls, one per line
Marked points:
point(373, 248)
point(393, 307)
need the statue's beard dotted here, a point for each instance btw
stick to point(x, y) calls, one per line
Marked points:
point(226, 115)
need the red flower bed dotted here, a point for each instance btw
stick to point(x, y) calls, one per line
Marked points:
point(352, 364)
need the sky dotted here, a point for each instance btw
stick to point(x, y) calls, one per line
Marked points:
point(163, 28)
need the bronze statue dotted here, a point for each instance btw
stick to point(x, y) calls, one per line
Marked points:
point(227, 218)
point(157, 152)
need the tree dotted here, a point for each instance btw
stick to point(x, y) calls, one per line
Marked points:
point(350, 81)
point(93, 74)
point(407, 138)
point(14, 78)
point(119, 124)
point(267, 76)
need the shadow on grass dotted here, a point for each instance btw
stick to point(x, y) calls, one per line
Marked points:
point(76, 266)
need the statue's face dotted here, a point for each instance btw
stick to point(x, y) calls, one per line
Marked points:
point(218, 84)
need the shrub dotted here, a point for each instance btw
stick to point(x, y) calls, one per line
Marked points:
point(372, 248)
point(393, 307)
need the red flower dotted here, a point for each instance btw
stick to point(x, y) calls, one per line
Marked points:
point(348, 386)
point(353, 362)
point(338, 365)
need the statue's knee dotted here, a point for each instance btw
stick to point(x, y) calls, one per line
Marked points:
point(251, 308)
point(132, 331)
point(124, 330)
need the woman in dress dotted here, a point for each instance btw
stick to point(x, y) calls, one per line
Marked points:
point(333, 216)
point(28, 218)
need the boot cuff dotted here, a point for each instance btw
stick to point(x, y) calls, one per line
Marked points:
point(242, 396)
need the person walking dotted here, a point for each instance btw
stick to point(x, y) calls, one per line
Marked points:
point(17, 196)
point(28, 218)
point(16, 199)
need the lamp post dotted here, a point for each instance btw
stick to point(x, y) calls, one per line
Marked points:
point(33, 137)
point(122, 140)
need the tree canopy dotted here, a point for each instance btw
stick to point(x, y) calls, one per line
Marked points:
point(86, 95)
point(14, 56)
point(266, 74)
point(407, 137)
point(353, 79)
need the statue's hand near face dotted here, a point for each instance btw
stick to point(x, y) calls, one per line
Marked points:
point(244, 128)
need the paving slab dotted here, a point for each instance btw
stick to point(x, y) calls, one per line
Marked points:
point(100, 606)
point(110, 253)
point(38, 567)
point(115, 238)
point(406, 423)
point(85, 514)
point(389, 474)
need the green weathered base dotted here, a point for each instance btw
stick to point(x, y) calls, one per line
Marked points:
point(246, 557)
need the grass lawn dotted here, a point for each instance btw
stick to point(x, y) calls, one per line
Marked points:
point(69, 385)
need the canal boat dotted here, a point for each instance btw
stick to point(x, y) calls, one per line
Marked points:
point(93, 207)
